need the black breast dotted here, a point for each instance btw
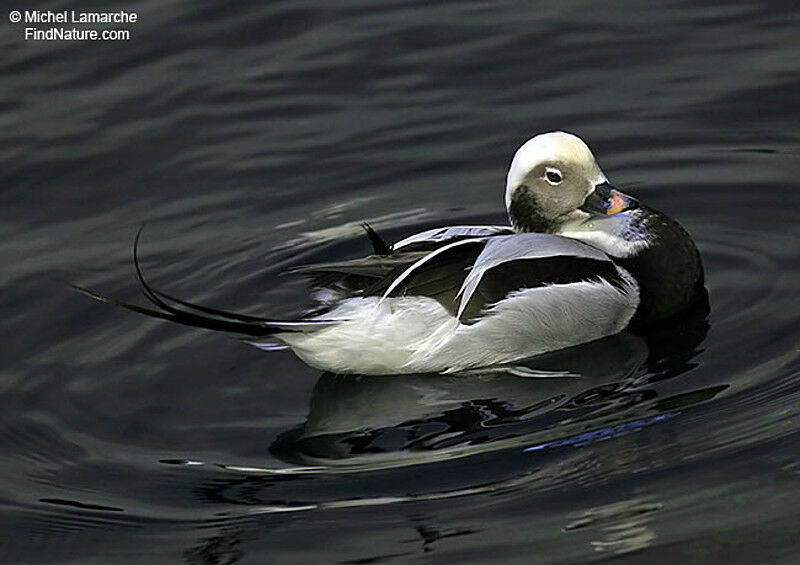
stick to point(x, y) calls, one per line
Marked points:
point(669, 273)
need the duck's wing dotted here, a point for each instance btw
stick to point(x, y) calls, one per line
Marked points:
point(469, 276)
point(374, 273)
point(438, 274)
point(357, 274)
point(512, 263)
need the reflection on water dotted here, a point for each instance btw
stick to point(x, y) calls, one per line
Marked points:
point(355, 419)
point(623, 526)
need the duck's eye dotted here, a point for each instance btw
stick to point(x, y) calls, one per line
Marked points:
point(553, 176)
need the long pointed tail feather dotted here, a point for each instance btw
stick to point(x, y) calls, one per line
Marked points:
point(155, 296)
point(211, 318)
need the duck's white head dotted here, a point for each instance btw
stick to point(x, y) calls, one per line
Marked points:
point(554, 182)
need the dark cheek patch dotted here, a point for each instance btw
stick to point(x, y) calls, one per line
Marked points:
point(526, 213)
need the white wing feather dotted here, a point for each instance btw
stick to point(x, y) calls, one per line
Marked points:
point(502, 249)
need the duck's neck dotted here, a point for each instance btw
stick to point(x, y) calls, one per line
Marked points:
point(659, 254)
point(620, 236)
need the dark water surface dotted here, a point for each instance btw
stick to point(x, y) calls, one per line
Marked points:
point(254, 137)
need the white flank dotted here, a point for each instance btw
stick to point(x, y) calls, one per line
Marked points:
point(417, 334)
point(379, 336)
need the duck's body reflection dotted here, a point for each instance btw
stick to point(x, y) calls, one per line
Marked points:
point(356, 418)
point(369, 423)
point(352, 415)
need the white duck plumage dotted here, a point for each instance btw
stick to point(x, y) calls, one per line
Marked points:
point(462, 297)
point(417, 334)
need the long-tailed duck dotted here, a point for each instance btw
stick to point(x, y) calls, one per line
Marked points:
point(580, 260)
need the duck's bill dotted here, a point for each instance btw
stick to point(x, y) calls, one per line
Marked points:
point(607, 200)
